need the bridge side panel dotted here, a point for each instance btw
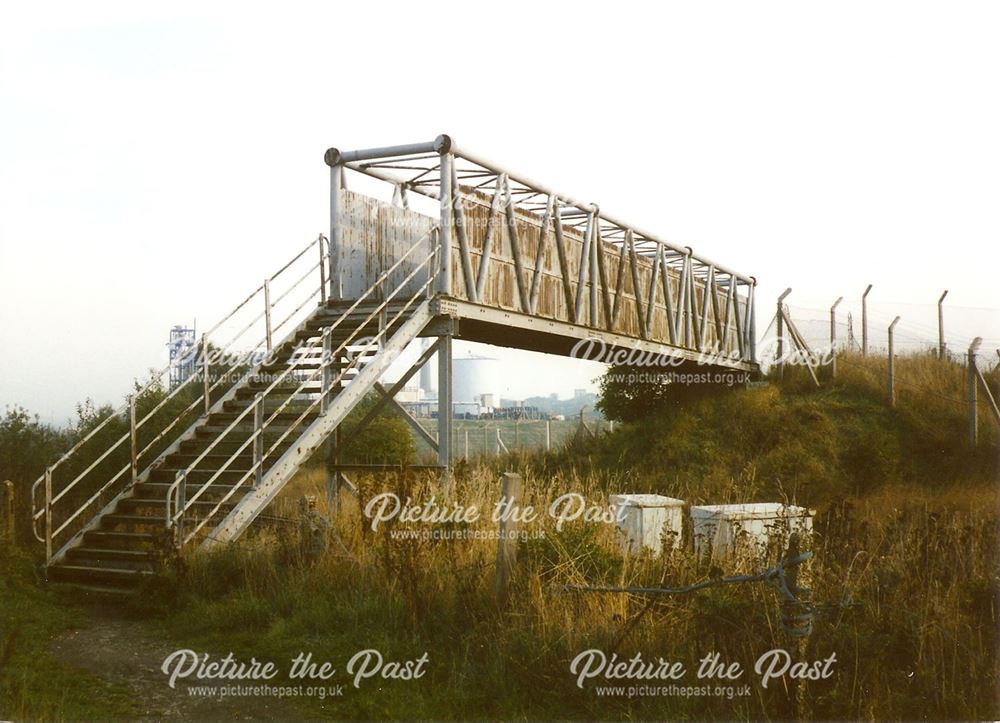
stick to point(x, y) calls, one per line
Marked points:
point(374, 235)
point(502, 289)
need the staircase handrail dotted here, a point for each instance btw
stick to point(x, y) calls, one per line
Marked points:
point(176, 508)
point(44, 511)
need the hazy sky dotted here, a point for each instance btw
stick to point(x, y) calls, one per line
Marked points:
point(157, 161)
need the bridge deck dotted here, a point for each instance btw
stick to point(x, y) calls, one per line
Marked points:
point(489, 325)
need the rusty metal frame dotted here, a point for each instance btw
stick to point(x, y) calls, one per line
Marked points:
point(443, 171)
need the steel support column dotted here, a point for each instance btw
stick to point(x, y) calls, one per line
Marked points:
point(447, 222)
point(444, 401)
point(335, 253)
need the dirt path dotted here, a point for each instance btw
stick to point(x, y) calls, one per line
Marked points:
point(129, 654)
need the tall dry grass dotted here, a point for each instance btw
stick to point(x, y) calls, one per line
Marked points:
point(905, 586)
point(905, 574)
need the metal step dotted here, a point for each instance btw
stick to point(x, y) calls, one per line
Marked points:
point(212, 460)
point(286, 418)
point(251, 390)
point(156, 506)
point(93, 593)
point(120, 540)
point(224, 449)
point(213, 431)
point(158, 490)
point(123, 559)
point(117, 522)
point(113, 576)
point(228, 476)
point(271, 405)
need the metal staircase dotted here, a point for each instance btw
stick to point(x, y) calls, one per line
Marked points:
point(258, 412)
point(499, 258)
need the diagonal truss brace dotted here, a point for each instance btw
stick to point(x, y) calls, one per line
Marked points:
point(387, 398)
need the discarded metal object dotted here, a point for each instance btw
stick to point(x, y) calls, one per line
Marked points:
point(797, 615)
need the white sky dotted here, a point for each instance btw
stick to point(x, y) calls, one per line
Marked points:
point(157, 161)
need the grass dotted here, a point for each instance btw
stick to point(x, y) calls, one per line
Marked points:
point(34, 685)
point(905, 583)
point(904, 575)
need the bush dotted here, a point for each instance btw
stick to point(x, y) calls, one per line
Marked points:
point(27, 447)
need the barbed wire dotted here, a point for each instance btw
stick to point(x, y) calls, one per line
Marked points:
point(798, 610)
point(981, 361)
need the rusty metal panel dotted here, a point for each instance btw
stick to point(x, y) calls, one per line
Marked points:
point(501, 289)
point(374, 235)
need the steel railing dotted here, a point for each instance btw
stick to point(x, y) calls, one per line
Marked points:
point(178, 501)
point(225, 360)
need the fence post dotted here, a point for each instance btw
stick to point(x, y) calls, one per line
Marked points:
point(864, 321)
point(133, 445)
point(517, 434)
point(833, 337)
point(892, 365)
point(510, 498)
point(973, 416)
point(7, 511)
point(466, 444)
point(548, 435)
point(941, 349)
point(796, 630)
point(780, 320)
point(48, 514)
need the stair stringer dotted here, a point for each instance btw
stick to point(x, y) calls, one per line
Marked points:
point(339, 407)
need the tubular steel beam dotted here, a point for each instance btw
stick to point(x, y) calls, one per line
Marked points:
point(444, 248)
point(444, 401)
point(336, 183)
point(334, 157)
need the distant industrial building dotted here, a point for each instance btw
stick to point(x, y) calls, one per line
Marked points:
point(182, 354)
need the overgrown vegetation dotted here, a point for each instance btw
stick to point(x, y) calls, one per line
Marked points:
point(793, 439)
point(34, 684)
point(905, 575)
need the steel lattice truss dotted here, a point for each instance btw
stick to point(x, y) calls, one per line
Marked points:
point(440, 170)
